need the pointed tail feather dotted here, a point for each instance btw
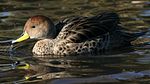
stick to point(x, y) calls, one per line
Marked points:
point(133, 36)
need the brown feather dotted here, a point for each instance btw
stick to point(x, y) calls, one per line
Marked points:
point(80, 29)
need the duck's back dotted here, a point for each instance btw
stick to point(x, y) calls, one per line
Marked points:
point(79, 29)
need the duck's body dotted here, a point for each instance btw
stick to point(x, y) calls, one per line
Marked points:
point(78, 35)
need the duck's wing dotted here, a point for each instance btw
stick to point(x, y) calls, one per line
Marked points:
point(80, 29)
point(108, 19)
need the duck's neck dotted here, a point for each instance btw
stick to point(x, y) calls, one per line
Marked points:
point(58, 28)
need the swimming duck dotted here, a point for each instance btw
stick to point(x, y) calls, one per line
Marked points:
point(76, 35)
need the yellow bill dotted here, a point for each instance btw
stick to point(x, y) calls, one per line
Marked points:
point(27, 66)
point(26, 77)
point(22, 38)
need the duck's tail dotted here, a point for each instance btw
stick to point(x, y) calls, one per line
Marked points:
point(138, 34)
point(130, 36)
point(111, 21)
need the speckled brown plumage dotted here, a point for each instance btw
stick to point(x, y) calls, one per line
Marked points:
point(78, 35)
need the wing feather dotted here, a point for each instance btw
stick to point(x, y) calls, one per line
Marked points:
point(80, 29)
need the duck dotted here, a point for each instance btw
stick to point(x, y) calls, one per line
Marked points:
point(76, 35)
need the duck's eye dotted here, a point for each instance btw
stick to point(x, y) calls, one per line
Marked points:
point(33, 26)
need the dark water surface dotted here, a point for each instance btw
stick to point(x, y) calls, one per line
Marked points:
point(126, 66)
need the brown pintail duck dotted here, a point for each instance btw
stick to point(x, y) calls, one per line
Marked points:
point(76, 35)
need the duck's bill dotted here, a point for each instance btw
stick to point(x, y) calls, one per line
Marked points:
point(25, 66)
point(25, 36)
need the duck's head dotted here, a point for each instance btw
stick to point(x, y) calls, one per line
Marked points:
point(38, 27)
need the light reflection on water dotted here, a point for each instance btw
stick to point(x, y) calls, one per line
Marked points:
point(3, 14)
point(135, 15)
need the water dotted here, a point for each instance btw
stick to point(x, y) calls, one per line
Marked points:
point(125, 66)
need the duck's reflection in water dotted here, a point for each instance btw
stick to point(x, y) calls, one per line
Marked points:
point(70, 70)
point(81, 66)
point(74, 69)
